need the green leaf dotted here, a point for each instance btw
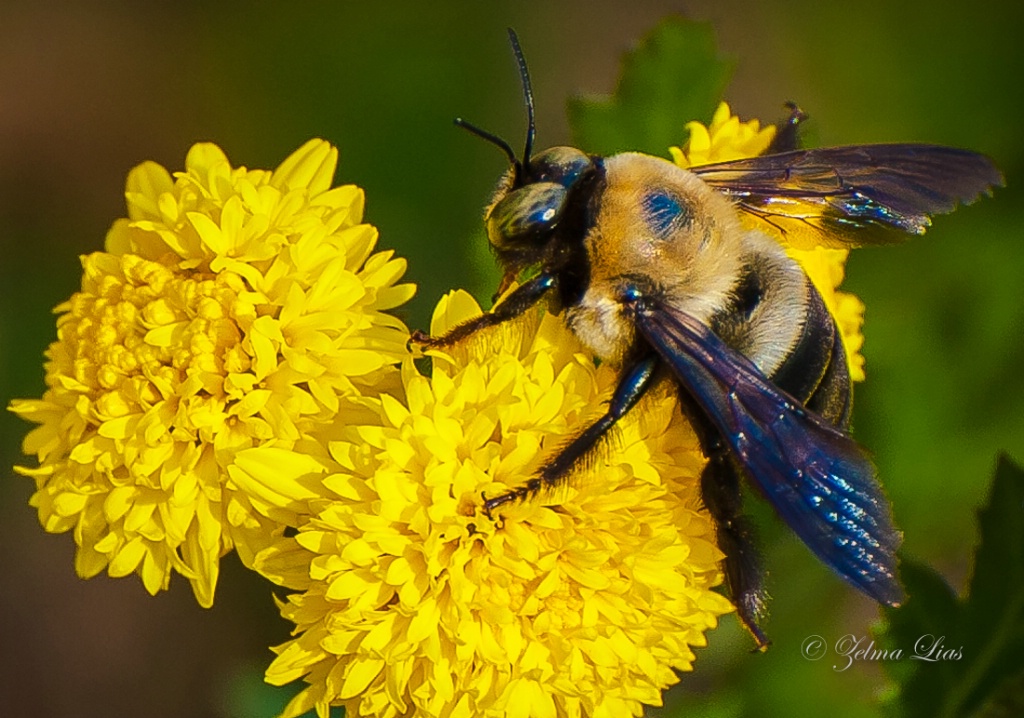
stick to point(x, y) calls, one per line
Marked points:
point(1007, 701)
point(978, 671)
point(673, 77)
point(932, 609)
point(994, 615)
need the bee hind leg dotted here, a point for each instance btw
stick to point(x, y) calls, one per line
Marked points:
point(635, 382)
point(744, 568)
point(787, 134)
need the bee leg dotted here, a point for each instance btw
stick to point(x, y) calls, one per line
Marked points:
point(515, 304)
point(632, 386)
point(787, 135)
point(506, 282)
point(744, 569)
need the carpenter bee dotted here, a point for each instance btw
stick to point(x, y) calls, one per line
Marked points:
point(651, 267)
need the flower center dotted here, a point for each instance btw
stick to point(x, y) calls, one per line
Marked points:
point(140, 333)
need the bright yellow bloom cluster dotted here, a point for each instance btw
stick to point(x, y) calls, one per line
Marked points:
point(234, 314)
point(726, 139)
point(229, 369)
point(582, 603)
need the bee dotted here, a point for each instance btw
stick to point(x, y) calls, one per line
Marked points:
point(653, 270)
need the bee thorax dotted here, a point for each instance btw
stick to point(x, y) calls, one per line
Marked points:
point(601, 324)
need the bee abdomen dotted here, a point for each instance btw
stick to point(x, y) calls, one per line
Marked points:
point(833, 397)
point(815, 372)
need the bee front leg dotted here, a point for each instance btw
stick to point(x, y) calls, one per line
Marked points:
point(634, 384)
point(515, 304)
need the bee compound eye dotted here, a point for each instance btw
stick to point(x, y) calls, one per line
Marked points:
point(563, 165)
point(526, 215)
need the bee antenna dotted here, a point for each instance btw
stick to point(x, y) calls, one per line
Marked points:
point(524, 75)
point(492, 138)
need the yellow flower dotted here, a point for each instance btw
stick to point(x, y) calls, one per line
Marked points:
point(234, 313)
point(580, 603)
point(726, 139)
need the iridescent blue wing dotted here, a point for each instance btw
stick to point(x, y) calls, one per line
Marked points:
point(855, 195)
point(818, 478)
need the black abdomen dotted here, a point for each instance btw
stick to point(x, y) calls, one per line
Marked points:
point(778, 320)
point(816, 371)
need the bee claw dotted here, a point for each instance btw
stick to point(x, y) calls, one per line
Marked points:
point(421, 338)
point(488, 507)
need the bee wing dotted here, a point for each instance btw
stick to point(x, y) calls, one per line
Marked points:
point(819, 479)
point(855, 195)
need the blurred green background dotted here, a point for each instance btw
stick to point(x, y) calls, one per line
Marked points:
point(89, 89)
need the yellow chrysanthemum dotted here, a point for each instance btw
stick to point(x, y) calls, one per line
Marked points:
point(582, 603)
point(234, 312)
point(727, 138)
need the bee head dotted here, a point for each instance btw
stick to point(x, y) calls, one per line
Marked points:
point(529, 204)
point(532, 195)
